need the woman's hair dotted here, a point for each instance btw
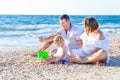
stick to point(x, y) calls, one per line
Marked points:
point(90, 25)
point(58, 38)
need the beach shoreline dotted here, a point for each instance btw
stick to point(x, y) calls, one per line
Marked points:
point(15, 66)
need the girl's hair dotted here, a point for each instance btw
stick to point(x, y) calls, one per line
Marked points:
point(90, 25)
point(58, 38)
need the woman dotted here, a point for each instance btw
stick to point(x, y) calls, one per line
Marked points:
point(94, 46)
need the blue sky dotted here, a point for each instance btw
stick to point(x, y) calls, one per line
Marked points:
point(58, 7)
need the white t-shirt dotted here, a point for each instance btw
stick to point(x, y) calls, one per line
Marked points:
point(71, 37)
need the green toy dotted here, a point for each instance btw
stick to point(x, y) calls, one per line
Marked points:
point(42, 55)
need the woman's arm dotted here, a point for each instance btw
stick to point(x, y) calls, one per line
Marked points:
point(99, 35)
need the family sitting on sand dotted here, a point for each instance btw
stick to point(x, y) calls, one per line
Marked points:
point(75, 46)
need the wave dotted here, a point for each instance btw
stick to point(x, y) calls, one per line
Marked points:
point(27, 27)
point(28, 34)
point(28, 30)
point(51, 26)
point(43, 29)
point(110, 26)
point(6, 28)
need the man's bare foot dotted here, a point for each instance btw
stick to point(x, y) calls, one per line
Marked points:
point(31, 55)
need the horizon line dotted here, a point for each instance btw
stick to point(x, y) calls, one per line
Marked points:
point(68, 14)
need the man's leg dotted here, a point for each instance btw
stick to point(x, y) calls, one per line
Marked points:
point(44, 47)
point(98, 56)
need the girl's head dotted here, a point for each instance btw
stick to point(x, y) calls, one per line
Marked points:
point(58, 40)
point(90, 25)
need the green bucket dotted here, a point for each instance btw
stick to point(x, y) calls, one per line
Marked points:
point(42, 55)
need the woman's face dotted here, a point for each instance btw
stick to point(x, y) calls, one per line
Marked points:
point(90, 25)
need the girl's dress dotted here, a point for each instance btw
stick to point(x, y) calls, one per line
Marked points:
point(60, 51)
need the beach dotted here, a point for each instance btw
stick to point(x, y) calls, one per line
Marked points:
point(15, 66)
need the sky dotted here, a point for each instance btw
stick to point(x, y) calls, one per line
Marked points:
point(58, 7)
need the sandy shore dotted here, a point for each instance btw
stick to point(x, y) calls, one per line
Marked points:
point(15, 66)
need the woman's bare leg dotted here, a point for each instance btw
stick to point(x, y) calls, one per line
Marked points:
point(73, 58)
point(98, 56)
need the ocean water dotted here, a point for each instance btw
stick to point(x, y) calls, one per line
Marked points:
point(24, 30)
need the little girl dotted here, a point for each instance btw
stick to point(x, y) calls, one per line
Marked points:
point(60, 53)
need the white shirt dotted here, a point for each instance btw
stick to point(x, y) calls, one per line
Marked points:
point(71, 37)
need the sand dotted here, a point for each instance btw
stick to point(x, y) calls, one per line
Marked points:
point(15, 66)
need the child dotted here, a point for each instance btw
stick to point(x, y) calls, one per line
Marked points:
point(60, 53)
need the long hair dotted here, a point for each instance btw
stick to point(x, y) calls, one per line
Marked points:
point(90, 25)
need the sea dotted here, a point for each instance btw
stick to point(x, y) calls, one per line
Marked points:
point(24, 30)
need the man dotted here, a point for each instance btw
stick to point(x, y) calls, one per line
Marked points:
point(70, 33)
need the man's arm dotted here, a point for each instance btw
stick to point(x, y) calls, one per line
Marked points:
point(48, 39)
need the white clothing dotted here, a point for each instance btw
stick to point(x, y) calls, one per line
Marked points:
point(89, 43)
point(71, 36)
point(60, 51)
point(78, 52)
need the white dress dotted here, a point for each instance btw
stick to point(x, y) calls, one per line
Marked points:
point(71, 37)
point(60, 51)
point(89, 43)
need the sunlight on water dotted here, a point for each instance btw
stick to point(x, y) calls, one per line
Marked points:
point(18, 30)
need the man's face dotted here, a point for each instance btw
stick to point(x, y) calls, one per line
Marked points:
point(65, 24)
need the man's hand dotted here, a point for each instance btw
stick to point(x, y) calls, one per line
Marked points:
point(41, 39)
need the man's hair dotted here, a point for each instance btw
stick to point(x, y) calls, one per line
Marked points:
point(64, 16)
